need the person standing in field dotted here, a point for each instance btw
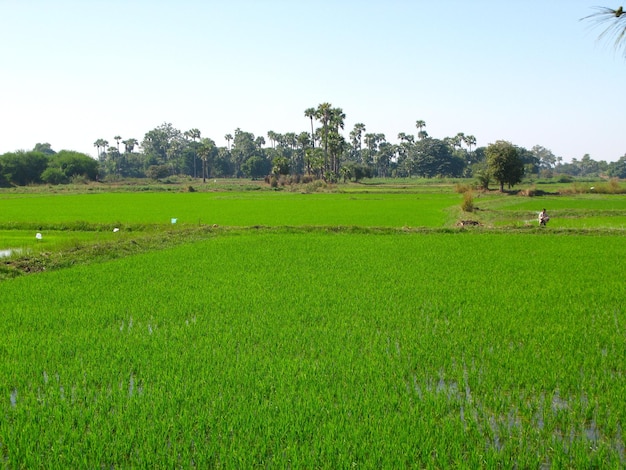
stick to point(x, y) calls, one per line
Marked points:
point(543, 218)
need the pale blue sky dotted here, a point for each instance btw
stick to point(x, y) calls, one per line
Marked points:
point(527, 71)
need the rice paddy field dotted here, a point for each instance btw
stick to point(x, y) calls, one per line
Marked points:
point(360, 331)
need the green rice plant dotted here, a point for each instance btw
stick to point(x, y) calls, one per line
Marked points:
point(228, 209)
point(393, 350)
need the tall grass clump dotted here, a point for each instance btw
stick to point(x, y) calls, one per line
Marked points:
point(462, 188)
point(468, 201)
point(610, 187)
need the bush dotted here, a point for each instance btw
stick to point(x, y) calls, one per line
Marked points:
point(80, 179)
point(156, 172)
point(484, 178)
point(529, 192)
point(565, 179)
point(53, 175)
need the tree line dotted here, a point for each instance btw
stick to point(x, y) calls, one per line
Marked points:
point(325, 152)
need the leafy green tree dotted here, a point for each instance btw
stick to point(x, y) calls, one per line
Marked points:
point(618, 169)
point(163, 145)
point(44, 148)
point(222, 164)
point(434, 157)
point(23, 168)
point(134, 165)
point(244, 147)
point(75, 164)
point(529, 159)
point(546, 158)
point(504, 163)
point(358, 171)
point(280, 166)
point(256, 167)
point(3, 181)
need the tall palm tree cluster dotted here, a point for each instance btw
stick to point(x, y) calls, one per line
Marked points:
point(323, 152)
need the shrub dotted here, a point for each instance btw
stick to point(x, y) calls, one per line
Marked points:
point(484, 178)
point(565, 179)
point(156, 172)
point(79, 179)
point(53, 175)
point(529, 192)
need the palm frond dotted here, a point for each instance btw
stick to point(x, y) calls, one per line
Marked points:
point(615, 32)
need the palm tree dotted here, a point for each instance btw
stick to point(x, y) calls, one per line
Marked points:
point(117, 139)
point(357, 138)
point(129, 145)
point(616, 29)
point(420, 125)
point(310, 113)
point(337, 117)
point(228, 138)
point(458, 140)
point(98, 144)
point(470, 141)
point(193, 134)
point(205, 150)
point(323, 114)
point(273, 136)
